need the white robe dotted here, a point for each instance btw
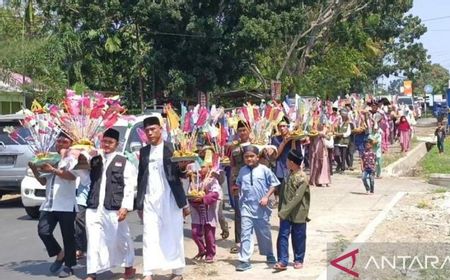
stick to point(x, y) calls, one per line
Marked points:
point(163, 246)
point(109, 241)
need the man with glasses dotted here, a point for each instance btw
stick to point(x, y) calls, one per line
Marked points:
point(60, 206)
point(110, 198)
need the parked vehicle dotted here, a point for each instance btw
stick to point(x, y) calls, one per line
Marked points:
point(406, 100)
point(440, 110)
point(33, 193)
point(14, 156)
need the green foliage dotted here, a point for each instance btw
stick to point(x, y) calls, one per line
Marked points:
point(433, 162)
point(173, 49)
point(433, 74)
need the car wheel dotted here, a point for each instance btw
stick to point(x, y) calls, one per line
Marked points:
point(33, 212)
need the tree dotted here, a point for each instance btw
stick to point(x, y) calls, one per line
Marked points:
point(434, 75)
point(23, 49)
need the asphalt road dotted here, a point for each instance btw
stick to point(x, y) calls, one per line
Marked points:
point(23, 254)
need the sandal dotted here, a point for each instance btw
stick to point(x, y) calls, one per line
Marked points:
point(279, 266)
point(298, 265)
point(200, 256)
point(225, 234)
point(79, 254)
point(234, 250)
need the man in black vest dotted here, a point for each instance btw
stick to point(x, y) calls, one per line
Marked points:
point(110, 198)
point(161, 202)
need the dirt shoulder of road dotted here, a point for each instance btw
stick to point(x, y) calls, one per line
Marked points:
point(418, 217)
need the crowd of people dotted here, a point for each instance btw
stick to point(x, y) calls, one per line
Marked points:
point(259, 177)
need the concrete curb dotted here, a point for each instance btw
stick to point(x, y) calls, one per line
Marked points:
point(363, 236)
point(404, 164)
point(439, 179)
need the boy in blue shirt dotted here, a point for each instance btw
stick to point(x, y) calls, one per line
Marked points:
point(256, 183)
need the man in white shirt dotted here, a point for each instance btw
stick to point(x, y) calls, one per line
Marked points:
point(162, 202)
point(60, 206)
point(111, 196)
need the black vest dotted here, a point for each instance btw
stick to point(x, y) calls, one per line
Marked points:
point(114, 183)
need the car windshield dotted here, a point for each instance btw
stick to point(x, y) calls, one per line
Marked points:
point(406, 101)
point(23, 133)
point(134, 137)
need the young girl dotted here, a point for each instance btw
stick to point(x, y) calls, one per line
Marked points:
point(404, 129)
point(204, 211)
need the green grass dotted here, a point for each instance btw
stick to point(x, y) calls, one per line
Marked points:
point(439, 190)
point(390, 158)
point(393, 156)
point(423, 204)
point(433, 162)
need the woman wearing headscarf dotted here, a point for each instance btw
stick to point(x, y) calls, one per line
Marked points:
point(404, 130)
point(320, 167)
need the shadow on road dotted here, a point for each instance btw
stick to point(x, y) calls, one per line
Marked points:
point(359, 193)
point(14, 202)
point(30, 267)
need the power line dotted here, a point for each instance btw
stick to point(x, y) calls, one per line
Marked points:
point(436, 18)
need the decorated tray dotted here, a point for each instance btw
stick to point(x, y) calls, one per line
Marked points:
point(358, 130)
point(194, 194)
point(225, 161)
point(51, 158)
point(184, 158)
point(313, 133)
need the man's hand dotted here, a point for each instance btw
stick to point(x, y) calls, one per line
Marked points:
point(235, 189)
point(32, 166)
point(46, 167)
point(183, 164)
point(122, 214)
point(264, 201)
point(186, 212)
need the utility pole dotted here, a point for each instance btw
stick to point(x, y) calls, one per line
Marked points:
point(141, 82)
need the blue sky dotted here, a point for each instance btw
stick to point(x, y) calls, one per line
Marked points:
point(435, 14)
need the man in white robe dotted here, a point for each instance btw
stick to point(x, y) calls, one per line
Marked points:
point(110, 198)
point(162, 202)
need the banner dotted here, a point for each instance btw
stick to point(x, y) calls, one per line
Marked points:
point(407, 87)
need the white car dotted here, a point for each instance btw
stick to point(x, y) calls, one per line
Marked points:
point(33, 193)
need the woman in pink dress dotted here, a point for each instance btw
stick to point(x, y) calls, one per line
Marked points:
point(404, 130)
point(320, 167)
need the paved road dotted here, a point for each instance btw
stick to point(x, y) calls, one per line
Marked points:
point(338, 213)
point(22, 253)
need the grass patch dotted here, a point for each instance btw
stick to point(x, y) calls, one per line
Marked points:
point(433, 162)
point(439, 190)
point(338, 246)
point(423, 204)
point(390, 158)
point(394, 153)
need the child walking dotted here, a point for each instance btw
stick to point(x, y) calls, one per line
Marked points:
point(256, 183)
point(440, 134)
point(293, 211)
point(376, 138)
point(368, 168)
point(204, 213)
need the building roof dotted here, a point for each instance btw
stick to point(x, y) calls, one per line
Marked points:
point(12, 82)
